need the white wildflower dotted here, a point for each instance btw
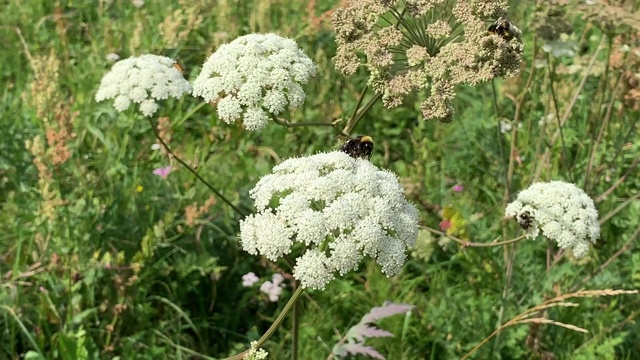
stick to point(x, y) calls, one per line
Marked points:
point(254, 76)
point(256, 353)
point(112, 57)
point(561, 210)
point(142, 80)
point(340, 208)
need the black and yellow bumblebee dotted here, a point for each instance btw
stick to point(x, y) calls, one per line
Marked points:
point(359, 147)
point(525, 220)
point(505, 29)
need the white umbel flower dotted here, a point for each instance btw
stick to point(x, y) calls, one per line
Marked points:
point(142, 80)
point(254, 76)
point(339, 208)
point(561, 210)
point(256, 353)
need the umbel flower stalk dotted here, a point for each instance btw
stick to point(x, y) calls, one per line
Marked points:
point(414, 45)
point(333, 209)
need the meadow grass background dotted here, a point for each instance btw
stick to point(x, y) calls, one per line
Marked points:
point(100, 258)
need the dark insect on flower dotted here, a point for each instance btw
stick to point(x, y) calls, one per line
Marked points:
point(359, 147)
point(503, 28)
point(525, 220)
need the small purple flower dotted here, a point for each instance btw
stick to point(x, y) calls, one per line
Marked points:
point(163, 172)
point(457, 188)
point(249, 279)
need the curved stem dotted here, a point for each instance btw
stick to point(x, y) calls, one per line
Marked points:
point(276, 324)
point(286, 123)
point(466, 243)
point(205, 182)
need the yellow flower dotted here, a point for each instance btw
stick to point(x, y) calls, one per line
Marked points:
point(139, 188)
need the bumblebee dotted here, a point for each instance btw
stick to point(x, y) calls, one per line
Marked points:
point(358, 147)
point(505, 29)
point(525, 220)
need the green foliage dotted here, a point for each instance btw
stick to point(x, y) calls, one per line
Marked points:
point(100, 258)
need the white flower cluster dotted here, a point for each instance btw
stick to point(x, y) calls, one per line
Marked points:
point(340, 208)
point(142, 80)
point(253, 76)
point(256, 353)
point(561, 210)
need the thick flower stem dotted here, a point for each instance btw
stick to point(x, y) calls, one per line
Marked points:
point(276, 324)
point(205, 182)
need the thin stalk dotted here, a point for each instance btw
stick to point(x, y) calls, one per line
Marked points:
point(276, 324)
point(466, 243)
point(613, 212)
point(288, 124)
point(188, 114)
point(354, 120)
point(557, 113)
point(602, 89)
point(567, 113)
point(511, 253)
point(205, 182)
point(411, 34)
point(618, 182)
point(494, 99)
point(603, 127)
point(295, 331)
point(621, 251)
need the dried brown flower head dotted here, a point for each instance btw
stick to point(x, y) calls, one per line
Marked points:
point(625, 57)
point(550, 21)
point(616, 17)
point(408, 46)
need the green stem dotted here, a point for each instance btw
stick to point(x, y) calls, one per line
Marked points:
point(205, 182)
point(286, 123)
point(295, 331)
point(495, 110)
point(357, 116)
point(552, 73)
point(276, 324)
point(188, 114)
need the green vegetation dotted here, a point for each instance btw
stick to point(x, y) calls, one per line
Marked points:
point(102, 258)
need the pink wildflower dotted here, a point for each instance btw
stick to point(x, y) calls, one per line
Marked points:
point(163, 172)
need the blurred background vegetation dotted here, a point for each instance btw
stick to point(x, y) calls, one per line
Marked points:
point(100, 258)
